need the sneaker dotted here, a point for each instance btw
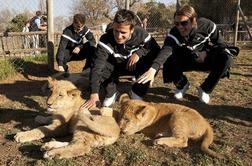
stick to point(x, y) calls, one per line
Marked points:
point(135, 96)
point(108, 101)
point(203, 96)
point(179, 93)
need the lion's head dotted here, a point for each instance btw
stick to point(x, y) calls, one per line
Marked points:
point(135, 115)
point(64, 95)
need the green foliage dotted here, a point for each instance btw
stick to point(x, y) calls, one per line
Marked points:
point(17, 23)
point(12, 66)
point(7, 69)
point(40, 58)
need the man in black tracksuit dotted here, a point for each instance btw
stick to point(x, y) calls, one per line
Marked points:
point(126, 49)
point(192, 44)
point(71, 46)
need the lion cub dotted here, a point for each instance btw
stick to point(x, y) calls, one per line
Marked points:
point(88, 130)
point(159, 120)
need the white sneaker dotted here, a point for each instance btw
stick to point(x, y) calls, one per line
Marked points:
point(203, 96)
point(179, 93)
point(135, 96)
point(108, 101)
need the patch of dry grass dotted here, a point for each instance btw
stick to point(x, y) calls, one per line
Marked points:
point(230, 114)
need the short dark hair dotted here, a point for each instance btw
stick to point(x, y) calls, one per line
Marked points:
point(125, 16)
point(79, 18)
point(38, 13)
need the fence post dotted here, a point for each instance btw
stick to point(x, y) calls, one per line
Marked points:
point(50, 35)
point(237, 23)
point(127, 4)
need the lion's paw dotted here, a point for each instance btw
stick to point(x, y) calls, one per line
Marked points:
point(53, 144)
point(159, 141)
point(23, 137)
point(55, 153)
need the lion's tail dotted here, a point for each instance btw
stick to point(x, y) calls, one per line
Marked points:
point(207, 140)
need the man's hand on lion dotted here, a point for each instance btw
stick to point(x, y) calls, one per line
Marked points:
point(93, 101)
point(147, 76)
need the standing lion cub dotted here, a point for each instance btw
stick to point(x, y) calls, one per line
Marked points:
point(168, 124)
point(88, 130)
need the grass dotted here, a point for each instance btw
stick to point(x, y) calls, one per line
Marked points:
point(7, 69)
point(10, 67)
point(229, 113)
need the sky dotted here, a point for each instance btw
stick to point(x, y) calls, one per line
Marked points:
point(61, 7)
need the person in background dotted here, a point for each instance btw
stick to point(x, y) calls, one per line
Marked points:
point(126, 49)
point(26, 38)
point(193, 44)
point(37, 24)
point(72, 44)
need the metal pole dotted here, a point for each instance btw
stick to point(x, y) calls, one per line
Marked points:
point(237, 23)
point(245, 22)
point(178, 5)
point(127, 4)
point(50, 35)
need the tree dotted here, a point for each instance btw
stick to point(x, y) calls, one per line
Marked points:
point(17, 23)
point(5, 16)
point(220, 11)
point(100, 11)
point(42, 6)
point(93, 10)
point(159, 16)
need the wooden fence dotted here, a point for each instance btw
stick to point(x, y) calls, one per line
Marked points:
point(15, 44)
point(22, 43)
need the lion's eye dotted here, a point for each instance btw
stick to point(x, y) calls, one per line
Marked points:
point(126, 120)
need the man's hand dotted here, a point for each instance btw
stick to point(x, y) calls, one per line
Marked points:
point(201, 56)
point(131, 65)
point(93, 101)
point(76, 50)
point(61, 68)
point(147, 76)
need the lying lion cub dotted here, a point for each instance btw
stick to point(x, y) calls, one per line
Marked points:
point(88, 130)
point(157, 120)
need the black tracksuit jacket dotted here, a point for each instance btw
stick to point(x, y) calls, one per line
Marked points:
point(71, 39)
point(199, 39)
point(178, 54)
point(111, 56)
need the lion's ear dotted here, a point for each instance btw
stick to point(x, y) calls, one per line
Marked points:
point(51, 81)
point(74, 92)
point(123, 98)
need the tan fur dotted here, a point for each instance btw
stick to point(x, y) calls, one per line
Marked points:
point(88, 130)
point(166, 123)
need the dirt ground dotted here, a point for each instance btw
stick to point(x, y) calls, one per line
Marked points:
point(230, 114)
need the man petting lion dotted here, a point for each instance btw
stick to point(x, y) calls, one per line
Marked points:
point(168, 124)
point(88, 130)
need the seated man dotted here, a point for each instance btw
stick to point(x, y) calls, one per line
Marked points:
point(71, 45)
point(192, 44)
point(126, 49)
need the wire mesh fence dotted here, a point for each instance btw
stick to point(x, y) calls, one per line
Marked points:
point(156, 17)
